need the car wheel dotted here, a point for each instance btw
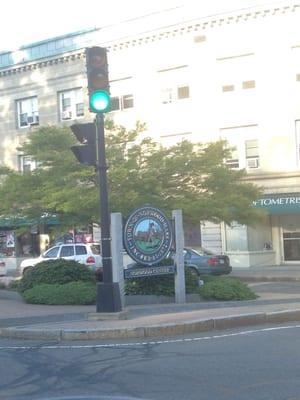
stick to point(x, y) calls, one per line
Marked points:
point(194, 272)
point(25, 270)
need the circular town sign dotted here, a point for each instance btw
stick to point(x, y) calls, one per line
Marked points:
point(147, 235)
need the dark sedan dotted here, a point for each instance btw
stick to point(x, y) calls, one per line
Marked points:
point(204, 262)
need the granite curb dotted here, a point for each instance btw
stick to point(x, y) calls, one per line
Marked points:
point(163, 329)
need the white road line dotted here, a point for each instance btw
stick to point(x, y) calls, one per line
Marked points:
point(169, 341)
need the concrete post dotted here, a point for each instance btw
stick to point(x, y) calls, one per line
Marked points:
point(117, 253)
point(179, 260)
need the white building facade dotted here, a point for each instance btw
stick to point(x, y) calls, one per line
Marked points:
point(233, 75)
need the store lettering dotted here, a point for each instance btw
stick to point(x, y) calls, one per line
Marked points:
point(279, 201)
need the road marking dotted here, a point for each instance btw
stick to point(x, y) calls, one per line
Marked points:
point(151, 342)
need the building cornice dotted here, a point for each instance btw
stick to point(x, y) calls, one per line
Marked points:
point(178, 29)
point(31, 66)
point(202, 25)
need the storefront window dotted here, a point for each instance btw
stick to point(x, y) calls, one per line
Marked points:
point(291, 237)
point(236, 237)
point(291, 245)
point(7, 244)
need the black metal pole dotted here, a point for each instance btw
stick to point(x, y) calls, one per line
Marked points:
point(108, 292)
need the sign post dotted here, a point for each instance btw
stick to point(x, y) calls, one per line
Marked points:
point(180, 296)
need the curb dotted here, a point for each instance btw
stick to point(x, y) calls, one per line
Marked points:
point(220, 323)
point(266, 278)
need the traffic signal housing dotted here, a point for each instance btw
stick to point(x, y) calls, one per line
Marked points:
point(86, 135)
point(98, 81)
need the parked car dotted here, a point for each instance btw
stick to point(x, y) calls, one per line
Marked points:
point(2, 267)
point(201, 262)
point(205, 262)
point(88, 254)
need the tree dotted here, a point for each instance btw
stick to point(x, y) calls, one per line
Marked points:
point(187, 176)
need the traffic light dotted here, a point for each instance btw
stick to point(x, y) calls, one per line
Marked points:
point(98, 81)
point(86, 135)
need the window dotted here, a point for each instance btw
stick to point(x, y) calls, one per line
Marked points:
point(252, 154)
point(27, 110)
point(80, 250)
point(169, 95)
point(233, 162)
point(96, 249)
point(52, 253)
point(71, 104)
point(119, 103)
point(248, 84)
point(236, 237)
point(173, 83)
point(121, 94)
point(228, 88)
point(67, 251)
point(26, 163)
point(243, 145)
point(297, 127)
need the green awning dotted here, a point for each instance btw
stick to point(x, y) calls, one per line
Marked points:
point(12, 222)
point(276, 204)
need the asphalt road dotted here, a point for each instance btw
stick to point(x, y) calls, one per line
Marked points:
point(259, 363)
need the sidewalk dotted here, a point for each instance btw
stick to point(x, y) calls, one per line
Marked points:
point(279, 273)
point(279, 301)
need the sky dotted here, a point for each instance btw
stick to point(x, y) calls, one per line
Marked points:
point(28, 21)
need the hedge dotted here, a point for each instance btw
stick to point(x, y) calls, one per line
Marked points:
point(160, 285)
point(73, 293)
point(224, 288)
point(56, 272)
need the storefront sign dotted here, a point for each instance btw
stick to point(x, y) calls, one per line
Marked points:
point(280, 204)
point(147, 235)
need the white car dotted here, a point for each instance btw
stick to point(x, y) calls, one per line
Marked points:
point(88, 254)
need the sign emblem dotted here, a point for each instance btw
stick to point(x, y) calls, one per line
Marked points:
point(147, 235)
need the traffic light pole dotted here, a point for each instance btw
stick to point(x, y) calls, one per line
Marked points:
point(108, 292)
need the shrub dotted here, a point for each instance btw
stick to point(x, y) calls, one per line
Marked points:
point(221, 288)
point(54, 294)
point(2, 285)
point(14, 285)
point(160, 285)
point(55, 272)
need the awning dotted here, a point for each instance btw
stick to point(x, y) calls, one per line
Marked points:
point(13, 222)
point(276, 204)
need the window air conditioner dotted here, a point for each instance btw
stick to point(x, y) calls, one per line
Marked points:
point(252, 163)
point(33, 120)
point(66, 115)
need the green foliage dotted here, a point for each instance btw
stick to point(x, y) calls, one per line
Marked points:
point(187, 176)
point(70, 293)
point(224, 288)
point(2, 285)
point(160, 285)
point(14, 285)
point(55, 272)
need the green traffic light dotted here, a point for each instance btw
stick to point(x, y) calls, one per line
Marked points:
point(99, 101)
